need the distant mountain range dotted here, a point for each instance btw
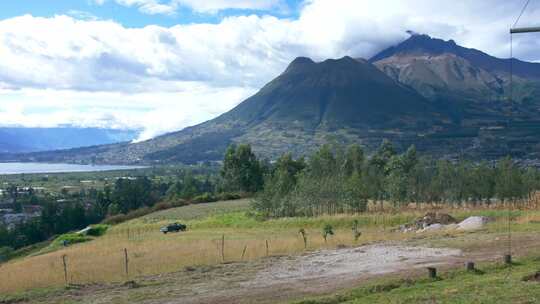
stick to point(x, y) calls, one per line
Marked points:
point(18, 140)
point(446, 99)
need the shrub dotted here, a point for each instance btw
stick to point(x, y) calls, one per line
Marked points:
point(71, 238)
point(204, 198)
point(115, 219)
point(162, 206)
point(97, 230)
point(327, 231)
point(5, 253)
point(227, 196)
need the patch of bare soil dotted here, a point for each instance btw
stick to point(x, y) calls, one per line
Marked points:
point(268, 280)
point(352, 262)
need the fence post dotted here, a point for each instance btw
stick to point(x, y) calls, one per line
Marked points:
point(126, 263)
point(266, 247)
point(65, 269)
point(223, 248)
point(243, 253)
point(470, 266)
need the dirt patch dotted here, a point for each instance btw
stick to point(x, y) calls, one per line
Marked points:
point(352, 262)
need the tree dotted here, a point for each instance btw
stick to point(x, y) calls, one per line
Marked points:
point(274, 200)
point(322, 162)
point(241, 170)
point(103, 201)
point(383, 155)
point(354, 160)
point(509, 182)
point(131, 194)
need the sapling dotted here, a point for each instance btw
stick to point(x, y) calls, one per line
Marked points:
point(327, 230)
point(355, 231)
point(304, 236)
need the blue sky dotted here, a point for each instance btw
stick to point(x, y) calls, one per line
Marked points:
point(131, 16)
point(162, 65)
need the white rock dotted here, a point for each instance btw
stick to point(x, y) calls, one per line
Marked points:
point(473, 223)
point(433, 227)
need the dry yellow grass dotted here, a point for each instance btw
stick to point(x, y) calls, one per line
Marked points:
point(151, 253)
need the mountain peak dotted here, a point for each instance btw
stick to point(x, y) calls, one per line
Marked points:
point(419, 43)
point(300, 63)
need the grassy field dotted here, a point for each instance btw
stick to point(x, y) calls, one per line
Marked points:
point(491, 283)
point(209, 225)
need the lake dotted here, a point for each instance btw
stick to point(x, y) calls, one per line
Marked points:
point(29, 168)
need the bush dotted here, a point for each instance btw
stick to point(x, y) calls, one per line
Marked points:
point(227, 196)
point(204, 198)
point(71, 238)
point(97, 230)
point(115, 219)
point(5, 253)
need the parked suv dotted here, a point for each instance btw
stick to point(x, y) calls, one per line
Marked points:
point(176, 227)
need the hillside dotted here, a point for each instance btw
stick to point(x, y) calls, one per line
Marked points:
point(267, 261)
point(446, 99)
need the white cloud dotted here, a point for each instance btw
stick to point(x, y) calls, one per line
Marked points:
point(170, 7)
point(162, 79)
point(154, 113)
point(151, 7)
point(212, 6)
point(81, 15)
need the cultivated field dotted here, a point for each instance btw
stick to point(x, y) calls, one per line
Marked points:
point(223, 232)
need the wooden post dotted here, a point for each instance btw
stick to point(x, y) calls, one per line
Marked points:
point(266, 247)
point(470, 266)
point(508, 259)
point(65, 269)
point(243, 253)
point(432, 272)
point(223, 248)
point(126, 263)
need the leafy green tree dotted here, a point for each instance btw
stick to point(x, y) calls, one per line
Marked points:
point(273, 200)
point(384, 154)
point(354, 160)
point(241, 170)
point(322, 162)
point(509, 182)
